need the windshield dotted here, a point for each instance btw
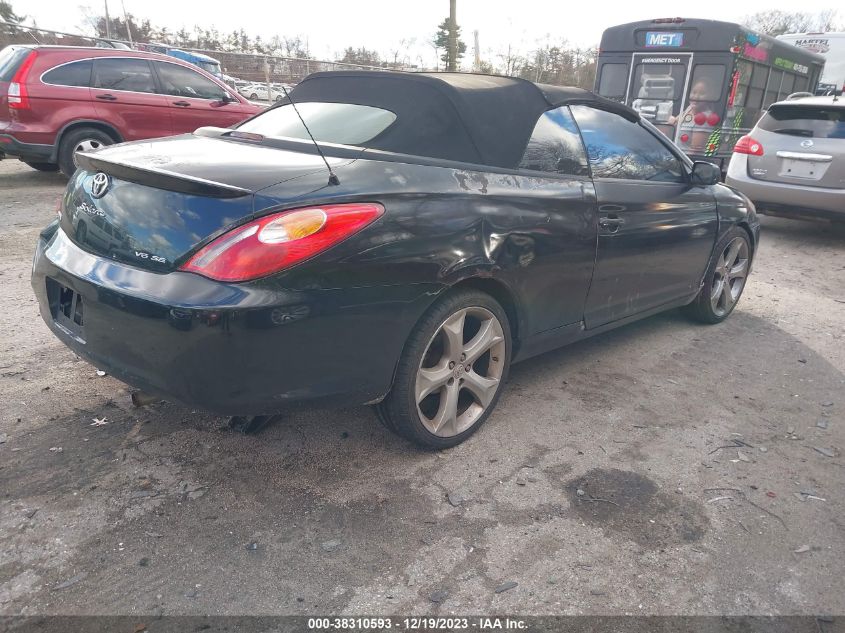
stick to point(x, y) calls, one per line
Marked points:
point(812, 122)
point(343, 123)
point(211, 67)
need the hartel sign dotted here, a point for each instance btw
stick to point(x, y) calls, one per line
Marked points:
point(663, 39)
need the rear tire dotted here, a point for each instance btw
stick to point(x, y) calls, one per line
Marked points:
point(451, 372)
point(80, 139)
point(724, 280)
point(43, 166)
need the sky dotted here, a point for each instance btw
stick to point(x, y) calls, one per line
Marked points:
point(332, 25)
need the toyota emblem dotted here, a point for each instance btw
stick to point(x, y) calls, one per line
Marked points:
point(807, 143)
point(99, 185)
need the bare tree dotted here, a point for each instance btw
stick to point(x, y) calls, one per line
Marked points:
point(777, 22)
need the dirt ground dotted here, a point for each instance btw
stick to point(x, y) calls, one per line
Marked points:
point(710, 462)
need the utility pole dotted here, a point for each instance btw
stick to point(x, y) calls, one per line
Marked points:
point(453, 36)
point(128, 28)
point(108, 25)
point(477, 63)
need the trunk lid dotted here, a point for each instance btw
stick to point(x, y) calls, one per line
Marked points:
point(802, 145)
point(151, 204)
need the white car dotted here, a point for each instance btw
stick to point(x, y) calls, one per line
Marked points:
point(258, 92)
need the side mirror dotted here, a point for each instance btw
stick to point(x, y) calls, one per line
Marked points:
point(704, 173)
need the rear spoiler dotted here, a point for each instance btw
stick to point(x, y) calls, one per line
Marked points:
point(159, 178)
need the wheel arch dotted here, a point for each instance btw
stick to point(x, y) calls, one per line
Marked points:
point(80, 123)
point(503, 295)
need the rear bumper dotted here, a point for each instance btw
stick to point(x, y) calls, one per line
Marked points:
point(32, 152)
point(785, 199)
point(232, 349)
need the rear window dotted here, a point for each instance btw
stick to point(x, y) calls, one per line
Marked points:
point(343, 123)
point(11, 58)
point(812, 122)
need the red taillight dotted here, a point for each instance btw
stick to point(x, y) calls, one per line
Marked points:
point(700, 118)
point(17, 95)
point(747, 145)
point(684, 138)
point(713, 119)
point(279, 241)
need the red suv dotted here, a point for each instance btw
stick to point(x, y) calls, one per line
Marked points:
point(57, 100)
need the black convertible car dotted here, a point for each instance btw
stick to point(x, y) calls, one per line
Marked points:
point(439, 228)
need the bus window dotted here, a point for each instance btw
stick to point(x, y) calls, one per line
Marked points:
point(759, 77)
point(706, 84)
point(656, 91)
point(800, 84)
point(772, 88)
point(786, 86)
point(705, 110)
point(613, 81)
point(744, 69)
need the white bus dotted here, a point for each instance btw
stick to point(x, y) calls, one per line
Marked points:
point(832, 47)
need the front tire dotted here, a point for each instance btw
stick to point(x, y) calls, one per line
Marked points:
point(80, 140)
point(451, 372)
point(724, 280)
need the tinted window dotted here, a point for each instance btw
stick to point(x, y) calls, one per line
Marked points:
point(73, 74)
point(343, 123)
point(772, 88)
point(555, 145)
point(619, 148)
point(183, 82)
point(614, 78)
point(706, 84)
point(743, 79)
point(759, 77)
point(806, 121)
point(119, 73)
point(786, 86)
point(11, 58)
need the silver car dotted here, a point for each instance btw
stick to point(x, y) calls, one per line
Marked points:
point(793, 162)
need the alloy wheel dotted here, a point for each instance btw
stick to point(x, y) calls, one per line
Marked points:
point(86, 145)
point(460, 372)
point(729, 276)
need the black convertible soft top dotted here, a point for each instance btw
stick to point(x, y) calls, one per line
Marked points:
point(484, 119)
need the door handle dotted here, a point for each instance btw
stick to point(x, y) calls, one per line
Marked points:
point(107, 97)
point(182, 104)
point(611, 223)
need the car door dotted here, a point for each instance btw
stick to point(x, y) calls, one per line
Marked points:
point(194, 100)
point(556, 191)
point(124, 95)
point(655, 230)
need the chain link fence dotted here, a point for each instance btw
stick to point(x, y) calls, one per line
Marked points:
point(243, 66)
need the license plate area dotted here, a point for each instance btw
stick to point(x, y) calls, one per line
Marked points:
point(806, 169)
point(67, 308)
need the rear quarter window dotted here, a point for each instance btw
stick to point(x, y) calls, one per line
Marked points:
point(811, 122)
point(72, 74)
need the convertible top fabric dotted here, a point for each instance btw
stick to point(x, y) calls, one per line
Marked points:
point(484, 119)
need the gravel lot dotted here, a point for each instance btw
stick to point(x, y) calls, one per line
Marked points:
point(164, 510)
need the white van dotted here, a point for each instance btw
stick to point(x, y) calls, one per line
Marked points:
point(832, 46)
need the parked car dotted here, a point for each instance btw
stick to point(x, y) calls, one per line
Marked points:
point(793, 162)
point(258, 92)
point(453, 224)
point(57, 100)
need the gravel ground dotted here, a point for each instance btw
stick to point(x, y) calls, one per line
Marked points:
point(710, 460)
